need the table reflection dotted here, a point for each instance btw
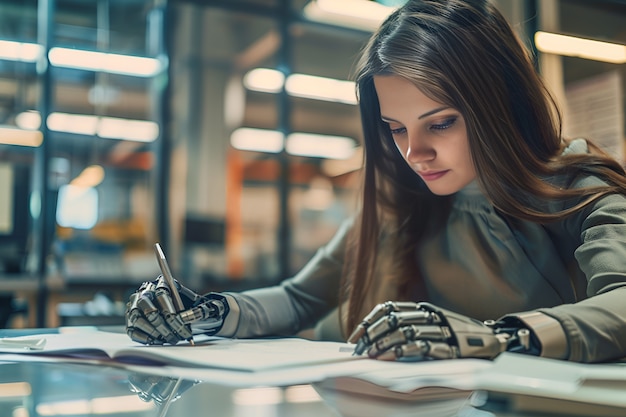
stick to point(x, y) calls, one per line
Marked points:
point(47, 388)
point(38, 389)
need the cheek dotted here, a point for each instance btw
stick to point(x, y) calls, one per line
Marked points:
point(467, 159)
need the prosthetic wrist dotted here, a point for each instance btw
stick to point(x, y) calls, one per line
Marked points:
point(208, 314)
point(518, 337)
point(534, 333)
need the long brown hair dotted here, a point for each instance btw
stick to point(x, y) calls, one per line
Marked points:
point(464, 54)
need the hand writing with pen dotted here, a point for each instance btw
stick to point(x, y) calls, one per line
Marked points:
point(163, 311)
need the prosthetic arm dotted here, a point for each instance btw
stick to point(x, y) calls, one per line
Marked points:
point(152, 319)
point(408, 330)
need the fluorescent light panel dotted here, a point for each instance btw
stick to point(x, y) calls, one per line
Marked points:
point(321, 146)
point(301, 85)
point(558, 44)
point(301, 144)
point(91, 125)
point(81, 59)
point(320, 88)
point(358, 14)
point(260, 140)
point(264, 80)
point(105, 62)
point(19, 51)
point(10, 135)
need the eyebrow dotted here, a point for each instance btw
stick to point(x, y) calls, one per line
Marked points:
point(433, 111)
point(428, 113)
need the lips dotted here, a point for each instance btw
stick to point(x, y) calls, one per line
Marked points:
point(432, 175)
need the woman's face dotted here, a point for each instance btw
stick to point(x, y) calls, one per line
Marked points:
point(431, 136)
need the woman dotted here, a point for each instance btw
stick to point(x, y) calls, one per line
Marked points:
point(474, 208)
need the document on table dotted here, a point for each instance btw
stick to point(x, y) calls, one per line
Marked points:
point(236, 362)
point(529, 383)
point(208, 352)
point(545, 384)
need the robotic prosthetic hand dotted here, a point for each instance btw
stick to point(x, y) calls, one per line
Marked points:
point(417, 331)
point(152, 319)
point(159, 389)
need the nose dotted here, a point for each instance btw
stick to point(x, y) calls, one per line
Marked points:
point(419, 150)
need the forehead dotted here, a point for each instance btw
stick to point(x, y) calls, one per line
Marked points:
point(397, 94)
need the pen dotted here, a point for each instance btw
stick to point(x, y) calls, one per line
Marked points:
point(169, 279)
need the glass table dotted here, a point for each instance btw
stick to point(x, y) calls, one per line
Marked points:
point(45, 387)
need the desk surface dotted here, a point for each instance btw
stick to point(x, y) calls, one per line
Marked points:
point(29, 388)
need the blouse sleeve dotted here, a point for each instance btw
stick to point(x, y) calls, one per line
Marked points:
point(594, 329)
point(295, 304)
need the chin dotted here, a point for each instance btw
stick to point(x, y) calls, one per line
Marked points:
point(444, 190)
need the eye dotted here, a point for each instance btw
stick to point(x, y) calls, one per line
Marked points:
point(397, 131)
point(445, 124)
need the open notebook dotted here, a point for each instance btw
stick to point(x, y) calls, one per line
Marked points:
point(209, 352)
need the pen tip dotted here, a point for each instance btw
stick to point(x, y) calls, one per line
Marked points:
point(360, 347)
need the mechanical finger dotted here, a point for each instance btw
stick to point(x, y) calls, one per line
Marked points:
point(151, 313)
point(163, 296)
point(382, 309)
point(140, 330)
point(137, 327)
point(175, 323)
point(420, 350)
point(393, 321)
point(137, 335)
point(406, 335)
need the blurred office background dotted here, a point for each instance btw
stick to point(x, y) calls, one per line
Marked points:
point(226, 130)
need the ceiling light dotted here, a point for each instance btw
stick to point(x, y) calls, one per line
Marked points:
point(28, 120)
point(105, 62)
point(19, 51)
point(554, 43)
point(80, 124)
point(260, 140)
point(91, 125)
point(81, 59)
point(127, 129)
point(264, 79)
point(301, 85)
point(300, 144)
point(320, 88)
point(15, 136)
point(358, 14)
point(321, 146)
